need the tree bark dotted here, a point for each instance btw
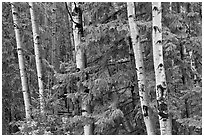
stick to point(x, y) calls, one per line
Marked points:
point(23, 75)
point(193, 68)
point(80, 57)
point(140, 69)
point(70, 33)
point(170, 6)
point(55, 47)
point(161, 85)
point(46, 14)
point(38, 58)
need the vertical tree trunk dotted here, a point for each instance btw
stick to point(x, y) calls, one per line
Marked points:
point(140, 69)
point(70, 33)
point(80, 56)
point(193, 68)
point(46, 13)
point(55, 47)
point(38, 58)
point(170, 6)
point(161, 86)
point(169, 122)
point(23, 74)
point(46, 23)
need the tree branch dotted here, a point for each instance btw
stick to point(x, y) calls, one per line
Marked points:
point(70, 13)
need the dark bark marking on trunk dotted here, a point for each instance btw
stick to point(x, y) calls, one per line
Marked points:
point(155, 8)
point(156, 28)
point(161, 89)
point(145, 110)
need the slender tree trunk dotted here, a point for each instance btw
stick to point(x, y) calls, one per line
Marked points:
point(170, 6)
point(70, 33)
point(193, 68)
point(46, 23)
point(23, 74)
point(38, 58)
point(183, 10)
point(161, 86)
point(46, 13)
point(55, 47)
point(80, 56)
point(134, 88)
point(140, 69)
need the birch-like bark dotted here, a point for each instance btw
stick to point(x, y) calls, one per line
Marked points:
point(161, 86)
point(140, 68)
point(170, 6)
point(38, 59)
point(80, 56)
point(23, 74)
point(193, 68)
point(55, 47)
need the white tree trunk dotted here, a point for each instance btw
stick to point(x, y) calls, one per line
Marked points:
point(170, 6)
point(193, 68)
point(80, 57)
point(23, 75)
point(55, 46)
point(38, 58)
point(161, 86)
point(140, 68)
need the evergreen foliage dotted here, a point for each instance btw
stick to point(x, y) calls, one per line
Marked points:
point(109, 79)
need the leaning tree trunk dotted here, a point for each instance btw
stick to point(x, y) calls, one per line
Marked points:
point(80, 57)
point(140, 69)
point(161, 86)
point(38, 58)
point(23, 75)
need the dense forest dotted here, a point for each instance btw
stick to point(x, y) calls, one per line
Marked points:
point(102, 68)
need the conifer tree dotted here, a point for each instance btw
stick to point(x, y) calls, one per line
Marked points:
point(38, 58)
point(23, 75)
point(161, 85)
point(140, 68)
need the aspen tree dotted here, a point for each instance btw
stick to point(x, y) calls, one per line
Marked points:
point(80, 56)
point(161, 86)
point(38, 59)
point(23, 75)
point(170, 6)
point(55, 47)
point(140, 68)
